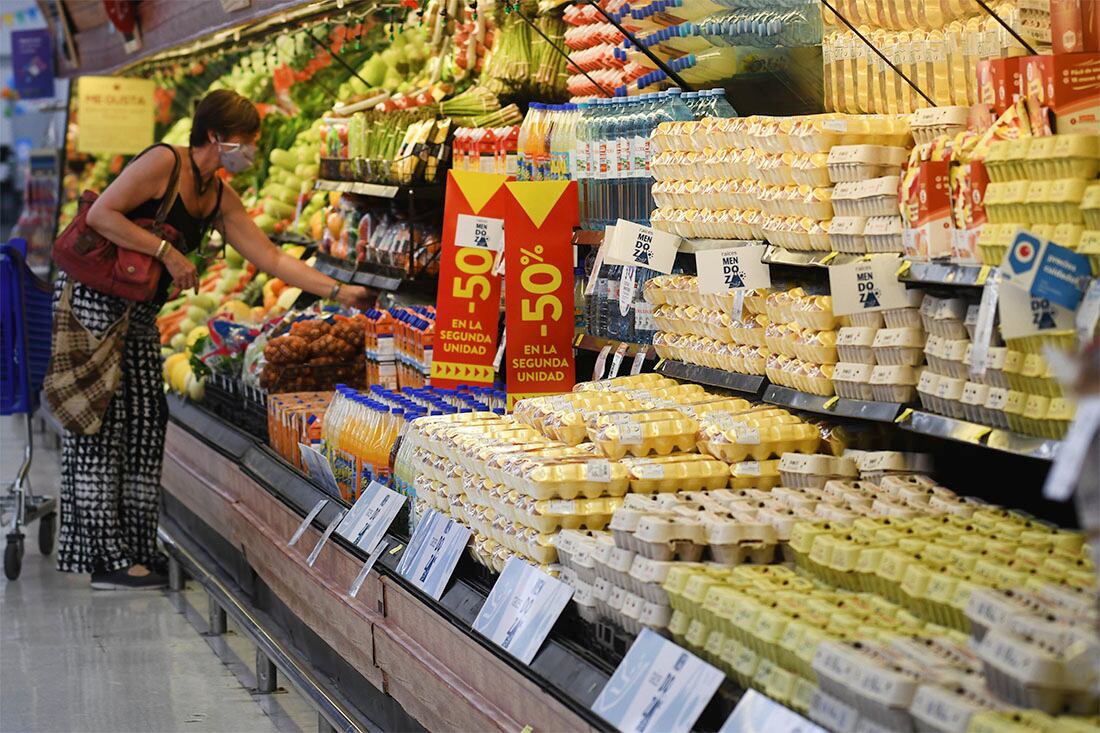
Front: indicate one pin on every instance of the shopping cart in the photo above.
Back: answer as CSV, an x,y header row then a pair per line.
x,y
26,311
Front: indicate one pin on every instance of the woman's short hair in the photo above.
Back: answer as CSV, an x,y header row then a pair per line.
x,y
225,113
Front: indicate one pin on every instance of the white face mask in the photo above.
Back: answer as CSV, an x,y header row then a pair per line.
x,y
236,157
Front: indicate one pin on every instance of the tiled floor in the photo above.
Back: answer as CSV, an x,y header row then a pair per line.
x,y
76,660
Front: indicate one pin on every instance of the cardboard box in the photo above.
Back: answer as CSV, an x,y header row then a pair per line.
x,y
927,202
1007,80
1072,91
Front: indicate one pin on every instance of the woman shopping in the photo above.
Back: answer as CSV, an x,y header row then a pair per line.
x,y
110,478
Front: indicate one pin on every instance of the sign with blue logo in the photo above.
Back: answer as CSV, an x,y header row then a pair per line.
x,y
658,688
366,522
521,609
1048,271
433,552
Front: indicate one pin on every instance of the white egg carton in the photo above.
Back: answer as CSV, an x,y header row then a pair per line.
x,y
846,234
930,123
872,197
899,346
945,317
867,319
974,397
894,383
884,234
947,356
851,380
851,163
854,345
862,676
813,470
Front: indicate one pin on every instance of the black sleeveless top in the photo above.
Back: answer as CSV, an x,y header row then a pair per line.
x,y
192,229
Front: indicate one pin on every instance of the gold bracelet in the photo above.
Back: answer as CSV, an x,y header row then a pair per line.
x,y
162,249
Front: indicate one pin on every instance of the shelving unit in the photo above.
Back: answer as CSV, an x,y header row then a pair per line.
x,y
884,412
376,190
748,384
779,256
962,431
596,344
944,273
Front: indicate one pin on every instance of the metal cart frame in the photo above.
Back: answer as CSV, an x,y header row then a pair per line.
x,y
26,312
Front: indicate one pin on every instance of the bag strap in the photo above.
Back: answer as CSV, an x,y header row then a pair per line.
x,y
172,191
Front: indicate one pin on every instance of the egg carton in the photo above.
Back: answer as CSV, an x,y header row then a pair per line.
x,y
884,235
854,345
678,472
814,470
1047,674
852,381
759,441
871,197
861,675
868,319
846,234
948,356
944,317
564,478
852,163
899,346
761,475
800,375
893,383
931,123
640,439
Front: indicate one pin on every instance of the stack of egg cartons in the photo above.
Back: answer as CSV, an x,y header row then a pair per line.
x,y
1045,185
801,337
865,198
881,353
770,178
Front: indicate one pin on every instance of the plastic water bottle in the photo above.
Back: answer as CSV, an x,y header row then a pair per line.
x,y
719,105
581,156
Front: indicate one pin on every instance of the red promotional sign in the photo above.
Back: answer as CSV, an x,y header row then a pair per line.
x,y
538,260
468,299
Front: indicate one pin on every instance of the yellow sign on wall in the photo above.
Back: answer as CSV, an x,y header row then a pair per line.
x,y
115,114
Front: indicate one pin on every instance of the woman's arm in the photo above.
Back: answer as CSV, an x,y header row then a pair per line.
x,y
145,178
239,230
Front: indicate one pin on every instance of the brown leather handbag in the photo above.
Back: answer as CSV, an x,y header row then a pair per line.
x,y
90,258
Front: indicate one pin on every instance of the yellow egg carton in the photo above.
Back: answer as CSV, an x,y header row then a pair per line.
x,y
800,375
676,472
579,474
1090,206
762,475
759,434
526,542
642,433
1005,160
817,347
802,470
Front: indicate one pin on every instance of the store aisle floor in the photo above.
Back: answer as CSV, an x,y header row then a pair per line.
x,y
76,660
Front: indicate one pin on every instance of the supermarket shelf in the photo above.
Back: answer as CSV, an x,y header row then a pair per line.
x,y
940,426
345,273
588,237
710,377
779,256
586,342
291,238
945,273
358,187
703,245
855,409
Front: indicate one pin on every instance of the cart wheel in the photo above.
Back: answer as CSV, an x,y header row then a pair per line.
x,y
47,528
13,557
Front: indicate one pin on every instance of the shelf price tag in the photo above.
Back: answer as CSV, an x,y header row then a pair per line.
x,y
757,712
538,255
521,609
617,360
634,244
867,285
468,298
433,552
732,268
368,519
657,687
324,538
319,469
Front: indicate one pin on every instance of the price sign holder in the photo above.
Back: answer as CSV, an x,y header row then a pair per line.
x,y
538,257
306,522
521,609
368,519
361,578
324,538
468,297
658,686
433,553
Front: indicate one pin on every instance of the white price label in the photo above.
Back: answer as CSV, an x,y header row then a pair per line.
x,y
658,686
617,361
482,232
601,363
357,584
867,285
630,433
306,522
643,317
746,434
649,471
433,552
369,518
634,244
521,609
639,361
732,268
598,469
324,538
628,285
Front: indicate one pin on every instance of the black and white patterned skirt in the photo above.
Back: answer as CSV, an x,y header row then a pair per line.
x,y
110,481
